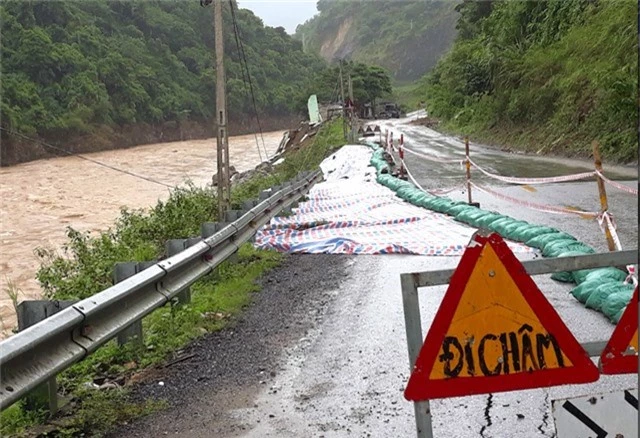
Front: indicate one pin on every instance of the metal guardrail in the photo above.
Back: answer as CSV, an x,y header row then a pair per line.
x,y
43,350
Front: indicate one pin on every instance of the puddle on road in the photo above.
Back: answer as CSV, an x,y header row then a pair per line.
x,y
40,199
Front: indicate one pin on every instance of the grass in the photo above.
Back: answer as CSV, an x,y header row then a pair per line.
x,y
13,292
84,268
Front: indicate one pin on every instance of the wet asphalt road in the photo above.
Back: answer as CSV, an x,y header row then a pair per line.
x,y
348,377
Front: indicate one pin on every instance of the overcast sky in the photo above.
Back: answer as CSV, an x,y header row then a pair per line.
x,y
285,13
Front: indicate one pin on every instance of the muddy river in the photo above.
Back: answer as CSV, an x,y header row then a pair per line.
x,y
40,199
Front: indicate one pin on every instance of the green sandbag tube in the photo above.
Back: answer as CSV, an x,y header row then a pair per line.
x,y
474,216
598,273
555,247
575,246
521,232
562,276
616,318
441,205
617,301
425,202
405,193
600,294
584,291
467,215
540,241
488,219
565,276
498,223
502,227
537,230
454,206
420,197
510,230
457,209
406,185
478,219
609,272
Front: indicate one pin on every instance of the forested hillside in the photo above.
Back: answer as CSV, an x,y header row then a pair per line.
x,y
93,74
550,76
405,37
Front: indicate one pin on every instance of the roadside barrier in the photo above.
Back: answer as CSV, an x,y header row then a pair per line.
x,y
37,354
607,290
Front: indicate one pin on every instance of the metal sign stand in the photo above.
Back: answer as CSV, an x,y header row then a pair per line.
x,y
410,283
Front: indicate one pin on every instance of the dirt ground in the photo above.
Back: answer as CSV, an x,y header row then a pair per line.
x,y
230,367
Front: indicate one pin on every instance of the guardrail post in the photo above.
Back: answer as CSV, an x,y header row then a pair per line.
x,y
208,229
29,313
231,215
248,205
265,194
192,241
604,204
173,247
133,332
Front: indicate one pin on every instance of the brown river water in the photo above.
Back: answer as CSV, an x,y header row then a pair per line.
x,y
40,199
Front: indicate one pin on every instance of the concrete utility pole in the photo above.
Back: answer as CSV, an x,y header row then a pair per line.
x,y
344,109
221,116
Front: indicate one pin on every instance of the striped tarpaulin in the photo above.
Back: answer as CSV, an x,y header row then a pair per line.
x,y
350,213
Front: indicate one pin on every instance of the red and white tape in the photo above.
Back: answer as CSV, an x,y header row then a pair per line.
x,y
553,179
534,206
606,220
617,185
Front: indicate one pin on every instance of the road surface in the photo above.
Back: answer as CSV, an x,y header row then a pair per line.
x,y
345,374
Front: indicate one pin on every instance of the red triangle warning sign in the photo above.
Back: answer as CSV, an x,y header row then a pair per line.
x,y
495,331
620,356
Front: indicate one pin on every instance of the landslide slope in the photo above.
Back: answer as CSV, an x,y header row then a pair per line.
x,y
405,37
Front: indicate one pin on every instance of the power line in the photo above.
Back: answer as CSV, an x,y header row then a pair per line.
x,y
236,29
91,160
244,79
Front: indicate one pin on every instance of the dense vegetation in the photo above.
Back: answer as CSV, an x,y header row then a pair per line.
x,y
85,266
404,37
71,67
369,83
550,76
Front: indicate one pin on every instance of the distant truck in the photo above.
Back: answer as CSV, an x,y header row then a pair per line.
x,y
389,110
